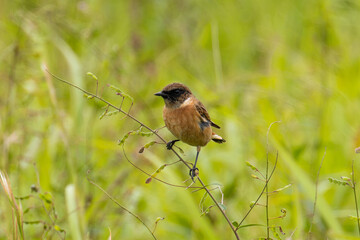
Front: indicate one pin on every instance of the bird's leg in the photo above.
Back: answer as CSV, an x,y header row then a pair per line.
x,y
170,144
194,171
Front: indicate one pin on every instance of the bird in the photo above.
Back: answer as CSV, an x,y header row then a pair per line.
x,y
187,119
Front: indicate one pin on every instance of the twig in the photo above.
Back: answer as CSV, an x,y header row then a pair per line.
x,y
162,181
267,181
316,194
261,193
218,206
268,177
155,133
156,223
122,207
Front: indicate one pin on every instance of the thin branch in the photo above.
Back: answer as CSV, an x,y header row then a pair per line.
x,y
316,195
221,210
143,171
156,223
267,193
267,181
122,207
261,193
355,198
154,132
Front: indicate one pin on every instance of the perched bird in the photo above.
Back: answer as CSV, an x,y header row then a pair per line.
x,y
187,119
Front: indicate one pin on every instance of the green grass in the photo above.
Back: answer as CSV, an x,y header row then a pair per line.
x,y
250,62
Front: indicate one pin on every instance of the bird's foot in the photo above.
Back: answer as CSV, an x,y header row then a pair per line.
x,y
194,172
170,144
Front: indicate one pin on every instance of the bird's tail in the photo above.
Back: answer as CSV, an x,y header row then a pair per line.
x,y
216,138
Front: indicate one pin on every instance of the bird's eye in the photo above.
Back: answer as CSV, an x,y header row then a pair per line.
x,y
177,91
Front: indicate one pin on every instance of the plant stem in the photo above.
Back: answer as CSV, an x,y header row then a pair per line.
x,y
218,206
354,189
261,193
267,197
267,179
122,207
316,193
267,182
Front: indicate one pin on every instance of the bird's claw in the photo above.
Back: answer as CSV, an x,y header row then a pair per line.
x,y
194,172
170,144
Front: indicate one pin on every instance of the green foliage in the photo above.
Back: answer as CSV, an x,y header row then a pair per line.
x,y
338,182
154,174
251,166
147,146
121,93
137,132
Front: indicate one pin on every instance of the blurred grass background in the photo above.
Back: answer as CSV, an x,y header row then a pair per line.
x,y
250,62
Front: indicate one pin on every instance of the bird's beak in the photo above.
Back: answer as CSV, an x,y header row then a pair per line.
x,y
161,94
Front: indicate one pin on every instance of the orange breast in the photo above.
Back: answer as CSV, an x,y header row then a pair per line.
x,y
184,123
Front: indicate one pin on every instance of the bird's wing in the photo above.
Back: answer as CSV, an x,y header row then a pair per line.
x,y
203,113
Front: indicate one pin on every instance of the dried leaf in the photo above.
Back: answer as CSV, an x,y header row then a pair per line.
x,y
141,149
281,231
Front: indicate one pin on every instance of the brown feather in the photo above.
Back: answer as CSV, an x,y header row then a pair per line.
x,y
203,113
